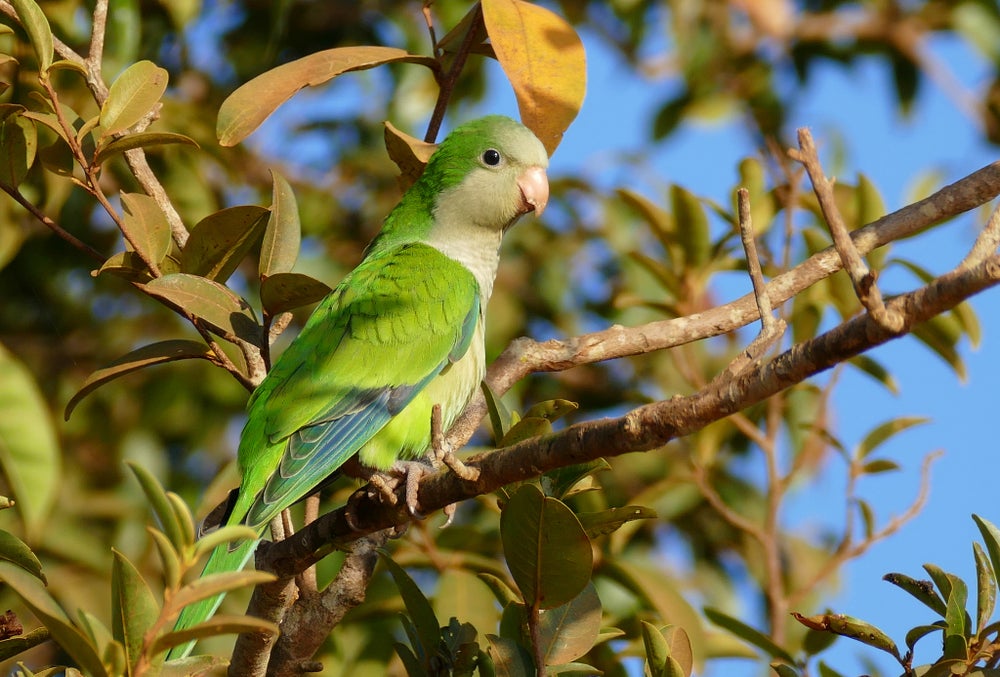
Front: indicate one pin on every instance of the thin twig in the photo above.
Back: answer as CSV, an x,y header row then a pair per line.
x,y
862,278
986,242
52,225
448,80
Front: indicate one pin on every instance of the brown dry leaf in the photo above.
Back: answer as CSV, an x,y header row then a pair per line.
x,y
545,62
253,102
409,153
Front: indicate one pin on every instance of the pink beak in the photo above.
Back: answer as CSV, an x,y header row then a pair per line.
x,y
534,185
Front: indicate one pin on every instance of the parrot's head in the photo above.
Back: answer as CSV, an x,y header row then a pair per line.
x,y
490,171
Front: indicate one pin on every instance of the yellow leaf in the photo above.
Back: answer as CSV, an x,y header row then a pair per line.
x,y
410,154
545,62
254,101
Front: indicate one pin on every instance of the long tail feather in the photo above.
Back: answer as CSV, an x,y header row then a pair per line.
x,y
221,560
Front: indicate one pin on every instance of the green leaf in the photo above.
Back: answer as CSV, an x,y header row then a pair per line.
x,y
869,203
51,615
146,356
12,646
879,465
940,333
219,624
692,231
134,608
16,551
283,234
569,631
922,590
38,30
503,593
421,613
146,226
282,292
954,617
220,241
127,265
885,431
991,539
223,311
499,413
202,666
525,429
559,483
111,147
547,550
169,557
509,658
848,626
253,102
875,369
461,594
132,95
748,634
914,635
230,533
18,147
608,521
784,670
161,505
29,449
668,650
986,588
217,584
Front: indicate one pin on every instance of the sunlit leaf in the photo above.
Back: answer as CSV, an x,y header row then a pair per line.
x,y
283,232
855,628
224,311
986,588
544,60
219,624
132,95
612,519
140,140
886,431
38,30
220,241
29,448
18,147
146,226
134,608
253,102
161,506
410,154
146,356
920,589
12,646
47,610
16,551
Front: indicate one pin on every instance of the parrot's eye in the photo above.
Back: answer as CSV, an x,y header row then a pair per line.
x,y
491,157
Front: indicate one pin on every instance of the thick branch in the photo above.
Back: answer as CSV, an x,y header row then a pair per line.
x,y
644,428
525,356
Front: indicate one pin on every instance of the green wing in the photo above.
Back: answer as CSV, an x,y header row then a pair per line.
x,y
375,342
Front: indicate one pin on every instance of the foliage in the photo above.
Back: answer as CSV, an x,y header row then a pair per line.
x,y
112,262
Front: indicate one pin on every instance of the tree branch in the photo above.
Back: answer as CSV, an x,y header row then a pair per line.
x,y
644,428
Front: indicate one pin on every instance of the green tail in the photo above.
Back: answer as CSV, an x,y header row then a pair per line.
x,y
221,560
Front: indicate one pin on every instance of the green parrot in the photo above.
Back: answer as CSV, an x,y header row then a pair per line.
x,y
402,332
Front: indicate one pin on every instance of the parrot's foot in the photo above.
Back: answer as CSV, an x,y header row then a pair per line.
x,y
385,485
442,452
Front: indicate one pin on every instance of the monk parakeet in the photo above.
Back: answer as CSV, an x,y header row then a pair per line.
x,y
402,332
